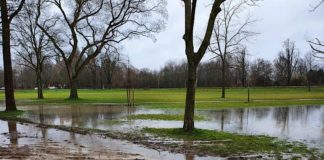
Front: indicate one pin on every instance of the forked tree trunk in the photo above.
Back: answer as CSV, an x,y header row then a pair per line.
x,y
39,85
73,90
188,124
8,79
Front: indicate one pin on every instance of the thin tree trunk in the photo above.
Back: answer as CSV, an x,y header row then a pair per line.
x,y
223,79
309,85
8,78
73,90
39,85
190,97
94,78
243,74
109,81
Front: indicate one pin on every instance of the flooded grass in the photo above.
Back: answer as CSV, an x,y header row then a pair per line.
x,y
164,117
199,142
112,122
223,104
4,114
229,144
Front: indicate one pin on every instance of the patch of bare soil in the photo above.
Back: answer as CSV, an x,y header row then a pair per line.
x,y
30,142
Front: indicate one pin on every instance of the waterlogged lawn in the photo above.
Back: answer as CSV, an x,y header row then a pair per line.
x,y
165,117
229,144
112,122
175,98
11,114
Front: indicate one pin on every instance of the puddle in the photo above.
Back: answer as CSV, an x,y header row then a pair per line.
x,y
25,141
298,123
22,141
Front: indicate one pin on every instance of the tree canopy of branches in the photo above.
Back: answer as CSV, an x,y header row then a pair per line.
x,y
317,45
318,48
287,61
32,45
229,33
310,66
109,62
75,28
9,10
241,63
261,73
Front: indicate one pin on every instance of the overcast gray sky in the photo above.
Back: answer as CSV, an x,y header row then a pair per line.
x,y
279,20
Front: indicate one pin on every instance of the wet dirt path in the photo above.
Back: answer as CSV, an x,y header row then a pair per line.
x,y
25,141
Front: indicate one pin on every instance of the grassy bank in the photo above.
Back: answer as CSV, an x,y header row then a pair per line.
x,y
174,98
224,144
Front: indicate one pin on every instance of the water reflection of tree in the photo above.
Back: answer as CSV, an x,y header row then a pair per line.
x,y
42,121
260,113
190,156
222,120
13,134
14,151
322,115
76,119
240,115
281,115
188,147
77,115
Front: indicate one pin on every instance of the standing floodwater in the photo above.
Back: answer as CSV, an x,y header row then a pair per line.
x,y
298,123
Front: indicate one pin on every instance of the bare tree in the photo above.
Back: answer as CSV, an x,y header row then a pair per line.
x,y
261,73
314,7
93,68
317,45
33,47
229,33
309,60
8,12
194,57
77,28
242,65
318,48
109,61
287,61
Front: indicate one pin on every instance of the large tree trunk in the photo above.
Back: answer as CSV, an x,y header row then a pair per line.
x,y
223,78
8,78
190,97
39,85
73,90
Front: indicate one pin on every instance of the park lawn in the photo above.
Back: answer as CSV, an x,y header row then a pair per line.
x,y
230,144
174,98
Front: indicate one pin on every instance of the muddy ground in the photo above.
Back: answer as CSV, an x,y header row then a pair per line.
x,y
25,141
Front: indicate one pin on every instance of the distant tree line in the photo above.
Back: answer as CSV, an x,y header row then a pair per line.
x,y
109,70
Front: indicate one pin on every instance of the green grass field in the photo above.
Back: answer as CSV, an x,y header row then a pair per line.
x,y
231,144
174,98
